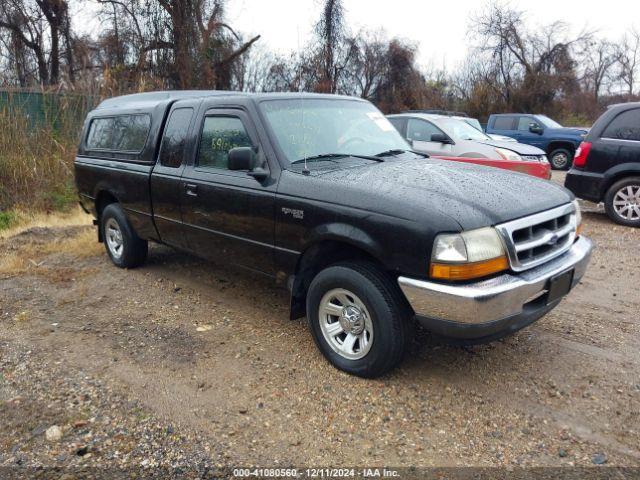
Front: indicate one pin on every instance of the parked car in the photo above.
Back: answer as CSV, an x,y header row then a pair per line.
x,y
474,122
446,136
533,168
606,167
321,193
560,143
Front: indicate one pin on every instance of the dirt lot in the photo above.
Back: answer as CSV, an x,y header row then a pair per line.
x,y
187,363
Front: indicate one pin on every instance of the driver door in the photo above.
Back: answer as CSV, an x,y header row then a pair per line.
x,y
228,215
525,135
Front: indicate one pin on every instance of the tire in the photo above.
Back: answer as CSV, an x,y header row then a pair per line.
x,y
561,159
123,246
385,318
625,211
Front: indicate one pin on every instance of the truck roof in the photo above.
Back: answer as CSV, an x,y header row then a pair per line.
x,y
151,99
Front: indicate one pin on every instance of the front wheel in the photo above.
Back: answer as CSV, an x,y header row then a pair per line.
x,y
124,247
560,159
359,319
622,202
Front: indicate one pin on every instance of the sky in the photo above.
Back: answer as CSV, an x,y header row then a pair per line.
x,y
439,28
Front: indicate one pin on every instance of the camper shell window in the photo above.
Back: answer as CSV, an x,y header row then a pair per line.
x,y
119,133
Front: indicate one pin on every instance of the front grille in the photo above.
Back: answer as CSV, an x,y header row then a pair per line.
x,y
538,238
532,158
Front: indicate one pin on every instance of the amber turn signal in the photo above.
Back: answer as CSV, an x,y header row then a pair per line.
x,y
468,271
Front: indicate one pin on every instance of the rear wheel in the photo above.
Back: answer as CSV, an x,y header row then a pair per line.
x,y
622,202
359,318
560,159
123,246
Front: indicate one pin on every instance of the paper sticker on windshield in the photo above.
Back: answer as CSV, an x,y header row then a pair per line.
x,y
382,123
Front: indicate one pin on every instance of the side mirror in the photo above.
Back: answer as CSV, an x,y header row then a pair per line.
x,y
535,128
242,158
440,138
245,158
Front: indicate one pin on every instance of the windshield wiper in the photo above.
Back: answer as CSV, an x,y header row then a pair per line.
x,y
336,155
393,151
399,151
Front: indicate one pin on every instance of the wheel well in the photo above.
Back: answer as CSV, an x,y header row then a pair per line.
x,y
555,145
616,178
103,199
313,260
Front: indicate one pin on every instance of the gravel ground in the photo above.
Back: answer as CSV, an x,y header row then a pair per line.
x,y
195,365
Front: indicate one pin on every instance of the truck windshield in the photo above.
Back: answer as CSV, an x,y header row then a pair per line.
x,y
319,129
547,122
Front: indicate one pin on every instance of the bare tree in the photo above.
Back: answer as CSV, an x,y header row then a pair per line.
x,y
251,72
335,51
534,67
25,24
628,59
38,26
369,63
187,39
599,58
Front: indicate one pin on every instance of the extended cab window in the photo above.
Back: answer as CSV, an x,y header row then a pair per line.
x,y
122,133
175,137
219,135
503,123
625,126
421,130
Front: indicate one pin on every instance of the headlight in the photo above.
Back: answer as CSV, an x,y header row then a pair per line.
x,y
578,216
544,159
467,255
508,154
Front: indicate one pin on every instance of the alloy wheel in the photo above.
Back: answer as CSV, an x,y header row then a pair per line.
x,y
626,202
346,324
560,160
113,236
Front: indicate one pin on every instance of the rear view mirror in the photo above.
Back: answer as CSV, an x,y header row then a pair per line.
x,y
242,158
440,138
535,128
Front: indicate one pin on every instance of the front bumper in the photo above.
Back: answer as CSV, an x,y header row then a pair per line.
x,y
490,308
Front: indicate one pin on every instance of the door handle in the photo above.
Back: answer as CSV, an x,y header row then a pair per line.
x,y
191,189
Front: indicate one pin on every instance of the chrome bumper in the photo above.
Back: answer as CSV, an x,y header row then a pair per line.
x,y
494,299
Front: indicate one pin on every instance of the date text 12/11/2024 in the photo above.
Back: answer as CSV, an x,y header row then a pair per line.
x,y
315,473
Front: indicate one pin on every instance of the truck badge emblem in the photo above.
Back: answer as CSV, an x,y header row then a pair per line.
x,y
297,214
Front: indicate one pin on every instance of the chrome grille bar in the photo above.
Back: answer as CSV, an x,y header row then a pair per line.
x,y
536,239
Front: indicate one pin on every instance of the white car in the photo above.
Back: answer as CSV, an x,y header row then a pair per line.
x,y
447,136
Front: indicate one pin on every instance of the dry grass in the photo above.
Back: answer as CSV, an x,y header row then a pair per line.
x,y
26,220
37,149
65,233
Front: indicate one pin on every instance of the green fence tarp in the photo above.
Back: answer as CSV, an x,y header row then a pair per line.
x,y
48,109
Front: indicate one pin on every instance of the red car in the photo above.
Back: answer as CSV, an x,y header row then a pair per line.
x,y
535,168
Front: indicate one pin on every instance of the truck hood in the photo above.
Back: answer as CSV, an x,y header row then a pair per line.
x,y
473,196
519,148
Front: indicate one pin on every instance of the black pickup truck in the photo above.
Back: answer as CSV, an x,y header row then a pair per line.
x,y
321,193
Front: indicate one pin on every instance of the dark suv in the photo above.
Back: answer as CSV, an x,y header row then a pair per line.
x,y
606,167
